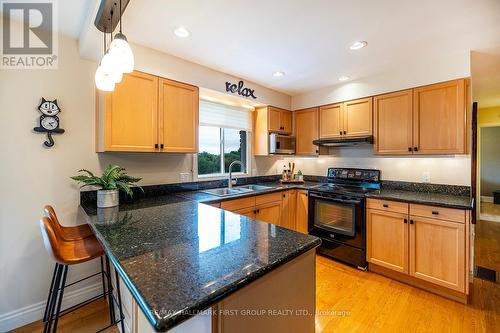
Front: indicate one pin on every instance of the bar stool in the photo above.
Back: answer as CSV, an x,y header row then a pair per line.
x,y
70,246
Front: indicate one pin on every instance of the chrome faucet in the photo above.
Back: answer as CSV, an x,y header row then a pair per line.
x,y
232,182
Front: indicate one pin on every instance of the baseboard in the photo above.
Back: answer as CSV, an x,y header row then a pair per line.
x,y
486,199
34,312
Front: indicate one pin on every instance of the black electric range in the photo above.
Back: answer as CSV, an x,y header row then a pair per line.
x,y
337,213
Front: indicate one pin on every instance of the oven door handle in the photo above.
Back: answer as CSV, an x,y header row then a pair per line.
x,y
335,199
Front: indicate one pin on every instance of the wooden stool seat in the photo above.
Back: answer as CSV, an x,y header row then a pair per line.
x,y
67,233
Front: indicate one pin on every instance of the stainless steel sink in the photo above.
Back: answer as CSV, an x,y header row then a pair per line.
x,y
254,187
222,192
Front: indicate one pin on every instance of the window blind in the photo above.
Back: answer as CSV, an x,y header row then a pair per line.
x,y
227,116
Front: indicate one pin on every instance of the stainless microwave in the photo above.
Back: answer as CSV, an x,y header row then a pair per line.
x,y
281,144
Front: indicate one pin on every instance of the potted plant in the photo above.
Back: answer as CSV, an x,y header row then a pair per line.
x,y
113,179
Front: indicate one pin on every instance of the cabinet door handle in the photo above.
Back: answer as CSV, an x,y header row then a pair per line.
x,y
405,221
340,132
410,149
255,211
161,146
411,221
156,146
415,148
283,195
435,212
345,132
385,205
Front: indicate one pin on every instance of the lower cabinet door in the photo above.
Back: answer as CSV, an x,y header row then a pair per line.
x,y
387,240
437,252
301,214
249,212
269,212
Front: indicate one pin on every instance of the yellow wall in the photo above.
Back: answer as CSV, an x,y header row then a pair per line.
x,y
488,116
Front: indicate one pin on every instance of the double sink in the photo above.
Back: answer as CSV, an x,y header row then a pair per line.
x,y
226,191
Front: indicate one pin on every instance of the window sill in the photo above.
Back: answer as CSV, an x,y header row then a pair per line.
x,y
222,177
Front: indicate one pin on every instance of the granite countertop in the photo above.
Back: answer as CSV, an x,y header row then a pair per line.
x,y
178,256
425,198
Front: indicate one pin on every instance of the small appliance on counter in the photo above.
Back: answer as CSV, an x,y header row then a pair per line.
x,y
337,213
281,144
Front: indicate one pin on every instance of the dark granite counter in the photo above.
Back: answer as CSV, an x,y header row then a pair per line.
x,y
178,256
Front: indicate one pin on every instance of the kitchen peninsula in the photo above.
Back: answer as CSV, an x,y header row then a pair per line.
x,y
185,266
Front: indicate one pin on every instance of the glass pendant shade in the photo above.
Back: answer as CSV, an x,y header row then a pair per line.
x,y
122,53
103,80
111,67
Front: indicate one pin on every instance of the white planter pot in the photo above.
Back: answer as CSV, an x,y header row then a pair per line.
x,y
107,198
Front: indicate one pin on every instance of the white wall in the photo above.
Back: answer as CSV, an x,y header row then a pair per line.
x,y
434,68
453,170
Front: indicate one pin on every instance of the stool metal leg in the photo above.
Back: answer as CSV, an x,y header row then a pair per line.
x,y
119,300
60,296
110,295
53,298
49,297
103,279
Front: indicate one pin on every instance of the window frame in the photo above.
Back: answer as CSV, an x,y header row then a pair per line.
x,y
224,175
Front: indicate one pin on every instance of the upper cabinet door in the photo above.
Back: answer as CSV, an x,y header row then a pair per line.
x,y
131,114
274,119
179,109
439,118
286,122
331,121
393,122
306,131
358,117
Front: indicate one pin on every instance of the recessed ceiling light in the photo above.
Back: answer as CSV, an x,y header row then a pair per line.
x,y
344,78
358,45
181,32
278,74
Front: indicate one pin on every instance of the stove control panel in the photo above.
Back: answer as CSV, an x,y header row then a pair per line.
x,y
370,175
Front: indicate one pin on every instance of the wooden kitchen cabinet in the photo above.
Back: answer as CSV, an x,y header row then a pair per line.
x,y
387,239
248,212
146,113
439,118
423,245
270,212
393,118
280,120
358,117
178,115
301,213
306,131
331,121
437,252
269,119
289,207
127,118
348,119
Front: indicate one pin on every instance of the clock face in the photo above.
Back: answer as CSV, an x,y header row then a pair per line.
x,y
49,123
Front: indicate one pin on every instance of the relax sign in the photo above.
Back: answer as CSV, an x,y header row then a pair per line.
x,y
238,88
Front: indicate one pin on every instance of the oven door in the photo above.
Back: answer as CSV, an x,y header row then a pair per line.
x,y
335,215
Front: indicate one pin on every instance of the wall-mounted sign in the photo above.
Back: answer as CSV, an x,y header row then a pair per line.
x,y
49,122
238,88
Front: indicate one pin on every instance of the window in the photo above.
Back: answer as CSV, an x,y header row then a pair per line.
x,y
223,137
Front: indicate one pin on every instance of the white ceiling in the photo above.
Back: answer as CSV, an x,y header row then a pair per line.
x,y
308,40
485,74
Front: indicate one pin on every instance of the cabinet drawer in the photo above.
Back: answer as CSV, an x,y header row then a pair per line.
x,y
388,205
265,198
448,214
233,205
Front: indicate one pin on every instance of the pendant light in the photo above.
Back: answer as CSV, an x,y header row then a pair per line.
x,y
120,50
103,78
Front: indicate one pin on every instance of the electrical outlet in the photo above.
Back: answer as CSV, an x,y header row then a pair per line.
x,y
426,177
185,177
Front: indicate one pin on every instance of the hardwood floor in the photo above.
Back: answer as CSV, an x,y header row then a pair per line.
x,y
490,211
350,300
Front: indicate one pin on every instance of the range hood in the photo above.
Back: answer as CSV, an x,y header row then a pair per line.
x,y
340,142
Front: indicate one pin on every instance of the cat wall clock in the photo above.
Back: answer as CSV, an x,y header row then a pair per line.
x,y
49,122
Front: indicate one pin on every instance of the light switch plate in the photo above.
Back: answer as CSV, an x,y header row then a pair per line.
x,y
185,177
